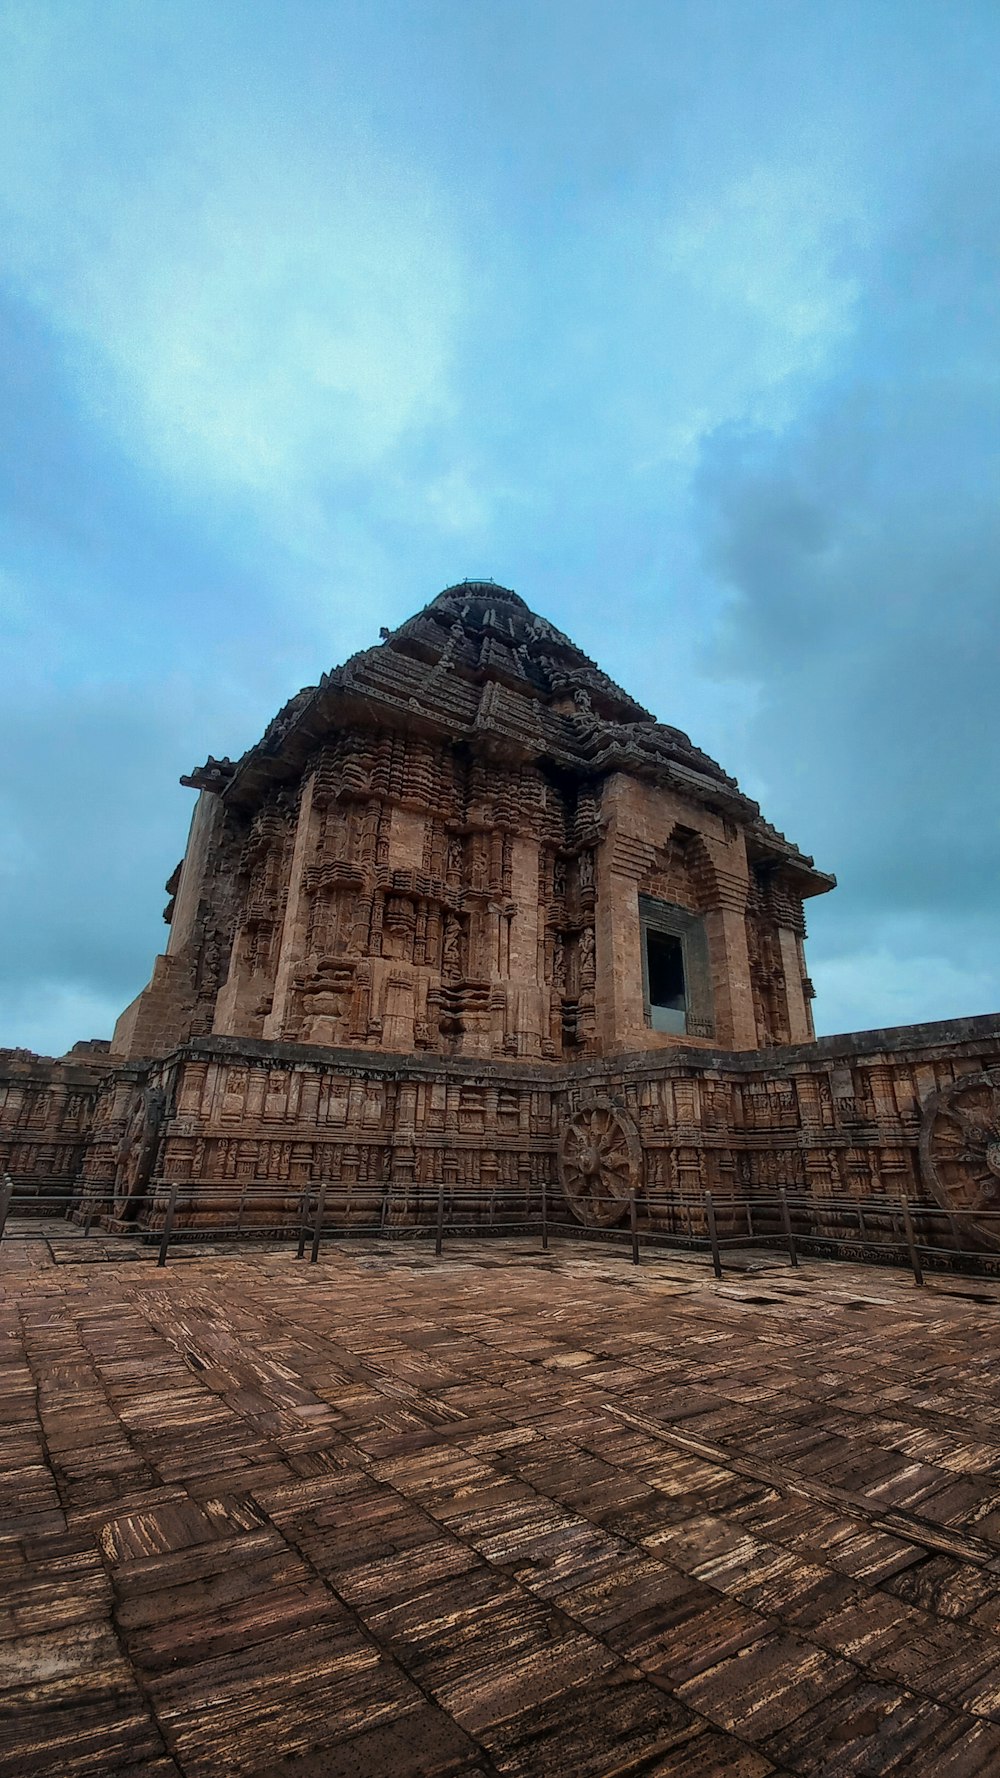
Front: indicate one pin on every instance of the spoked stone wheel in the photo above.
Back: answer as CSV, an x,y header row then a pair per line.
x,y
600,1163
960,1151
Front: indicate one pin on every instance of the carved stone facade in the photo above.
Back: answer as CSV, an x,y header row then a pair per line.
x,y
468,917
441,849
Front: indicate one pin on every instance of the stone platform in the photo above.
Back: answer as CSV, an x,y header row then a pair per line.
x,y
493,1513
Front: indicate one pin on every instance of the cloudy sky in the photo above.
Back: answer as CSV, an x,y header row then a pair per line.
x,y
678,316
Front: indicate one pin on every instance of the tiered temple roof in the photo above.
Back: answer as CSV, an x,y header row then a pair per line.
x,y
478,664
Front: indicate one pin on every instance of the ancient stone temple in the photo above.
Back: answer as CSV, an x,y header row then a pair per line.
x,y
469,842
467,916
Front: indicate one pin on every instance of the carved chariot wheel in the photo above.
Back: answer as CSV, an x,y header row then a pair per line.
x,y
960,1151
600,1163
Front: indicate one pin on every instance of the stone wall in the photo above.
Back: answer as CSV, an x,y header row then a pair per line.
x,y
865,1116
47,1110
244,1126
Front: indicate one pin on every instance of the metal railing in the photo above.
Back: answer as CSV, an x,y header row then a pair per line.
x,y
176,1213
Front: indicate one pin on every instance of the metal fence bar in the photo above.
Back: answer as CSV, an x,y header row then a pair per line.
x,y
633,1218
713,1235
168,1226
303,1218
318,1229
789,1235
918,1270
872,1230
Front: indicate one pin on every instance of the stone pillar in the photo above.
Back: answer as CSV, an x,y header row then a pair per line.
x,y
407,831
735,1025
296,921
799,1021
725,925
523,960
160,1017
618,999
520,952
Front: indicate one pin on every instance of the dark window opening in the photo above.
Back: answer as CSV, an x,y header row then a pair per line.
x,y
665,976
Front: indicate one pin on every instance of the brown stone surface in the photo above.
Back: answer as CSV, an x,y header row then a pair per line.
x,y
493,1514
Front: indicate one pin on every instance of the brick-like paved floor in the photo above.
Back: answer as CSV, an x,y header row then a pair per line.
x,y
494,1514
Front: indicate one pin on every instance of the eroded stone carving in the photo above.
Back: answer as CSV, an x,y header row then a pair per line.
x,y
138,1150
960,1151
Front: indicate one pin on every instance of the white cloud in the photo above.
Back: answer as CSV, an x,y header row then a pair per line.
x,y
277,305
746,299
771,243
293,319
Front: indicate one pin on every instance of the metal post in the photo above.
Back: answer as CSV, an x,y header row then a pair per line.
x,y
168,1226
303,1214
918,1270
318,1227
634,1226
6,1193
713,1234
439,1242
787,1220
91,1213
545,1216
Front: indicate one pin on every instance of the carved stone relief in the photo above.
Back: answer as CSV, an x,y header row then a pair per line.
x,y
960,1151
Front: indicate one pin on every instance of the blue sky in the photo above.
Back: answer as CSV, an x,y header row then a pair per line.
x,y
681,319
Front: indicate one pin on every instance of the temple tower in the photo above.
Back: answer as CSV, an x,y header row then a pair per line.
x,y
468,841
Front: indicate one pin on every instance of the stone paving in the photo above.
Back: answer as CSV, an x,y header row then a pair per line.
x,y
494,1513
